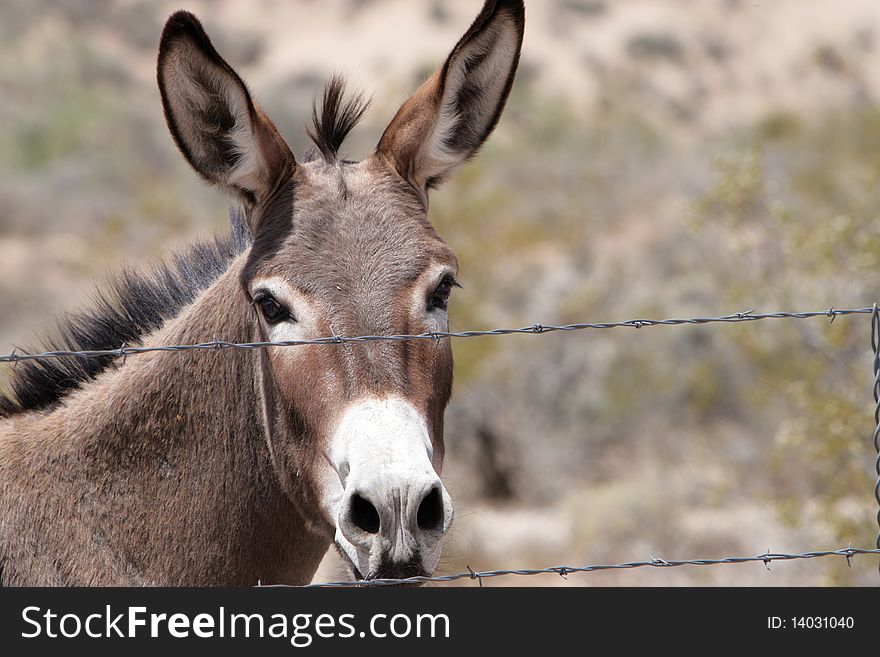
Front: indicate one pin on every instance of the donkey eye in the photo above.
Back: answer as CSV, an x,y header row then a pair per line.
x,y
273,311
439,298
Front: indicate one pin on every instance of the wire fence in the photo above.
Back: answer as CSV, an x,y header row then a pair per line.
x,y
541,329
564,571
535,329
875,347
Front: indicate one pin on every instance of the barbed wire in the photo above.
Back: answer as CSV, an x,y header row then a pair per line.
x,y
875,347
766,558
535,329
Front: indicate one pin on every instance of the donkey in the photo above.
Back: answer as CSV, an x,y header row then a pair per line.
x,y
237,467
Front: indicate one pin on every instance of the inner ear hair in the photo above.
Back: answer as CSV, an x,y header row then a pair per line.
x,y
224,136
451,115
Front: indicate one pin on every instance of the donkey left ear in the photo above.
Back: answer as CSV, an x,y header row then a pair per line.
x,y
218,128
455,110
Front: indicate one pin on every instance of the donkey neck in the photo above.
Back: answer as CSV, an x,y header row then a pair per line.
x,y
171,447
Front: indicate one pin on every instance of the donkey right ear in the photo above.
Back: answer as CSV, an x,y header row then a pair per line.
x,y
452,114
222,134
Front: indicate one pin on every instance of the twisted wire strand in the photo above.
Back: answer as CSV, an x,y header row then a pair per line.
x,y
875,347
563,571
535,329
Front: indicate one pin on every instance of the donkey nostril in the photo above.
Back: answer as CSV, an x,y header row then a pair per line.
x,y
364,514
430,515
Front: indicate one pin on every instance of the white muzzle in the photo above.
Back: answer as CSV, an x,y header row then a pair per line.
x,y
384,496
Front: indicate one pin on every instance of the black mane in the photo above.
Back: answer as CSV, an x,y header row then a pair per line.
x,y
337,116
132,306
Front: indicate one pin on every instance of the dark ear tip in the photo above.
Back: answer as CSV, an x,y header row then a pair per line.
x,y
183,24
517,7
514,9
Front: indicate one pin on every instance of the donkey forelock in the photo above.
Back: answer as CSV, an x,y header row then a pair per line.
x,y
338,116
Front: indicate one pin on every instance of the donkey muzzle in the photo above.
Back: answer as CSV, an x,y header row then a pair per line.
x,y
393,510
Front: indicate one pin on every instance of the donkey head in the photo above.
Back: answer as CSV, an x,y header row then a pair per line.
x,y
345,248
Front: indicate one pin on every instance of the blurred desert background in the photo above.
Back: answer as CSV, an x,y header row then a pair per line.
x,y
658,158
